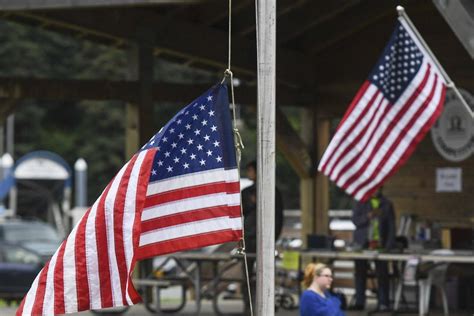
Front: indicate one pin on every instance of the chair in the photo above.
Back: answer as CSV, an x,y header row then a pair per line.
x,y
434,274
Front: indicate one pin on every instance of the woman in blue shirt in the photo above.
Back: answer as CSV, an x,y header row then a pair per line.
x,y
316,300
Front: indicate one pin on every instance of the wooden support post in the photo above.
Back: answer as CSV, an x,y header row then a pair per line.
x,y
322,182
139,114
145,37
131,109
131,130
307,198
314,190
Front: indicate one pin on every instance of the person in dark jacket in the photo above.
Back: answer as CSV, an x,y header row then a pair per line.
x,y
249,207
375,229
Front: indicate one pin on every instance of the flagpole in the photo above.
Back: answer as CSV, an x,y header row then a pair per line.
x,y
449,83
266,113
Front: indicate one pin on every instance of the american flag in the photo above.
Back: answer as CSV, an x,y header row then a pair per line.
x,y
180,191
389,116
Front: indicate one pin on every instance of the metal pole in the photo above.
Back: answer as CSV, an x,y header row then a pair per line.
x,y
10,146
80,186
266,113
11,135
449,83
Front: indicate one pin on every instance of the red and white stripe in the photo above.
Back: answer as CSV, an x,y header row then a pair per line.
x,y
375,137
92,267
203,211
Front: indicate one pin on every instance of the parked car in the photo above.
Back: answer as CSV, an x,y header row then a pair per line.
x,y
18,269
35,235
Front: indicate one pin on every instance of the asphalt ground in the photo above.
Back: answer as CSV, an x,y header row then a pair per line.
x,y
229,307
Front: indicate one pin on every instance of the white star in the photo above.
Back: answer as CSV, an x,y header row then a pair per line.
x,y
219,158
209,98
165,139
211,113
160,163
153,172
174,145
214,128
202,107
199,147
171,130
176,159
181,135
193,156
186,165
183,150
190,141
209,153
216,144
169,168
204,122
195,117
197,131
158,148
202,162
206,137
178,122
186,113
167,154
188,126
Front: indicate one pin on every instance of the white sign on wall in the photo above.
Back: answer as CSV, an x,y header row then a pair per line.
x,y
448,180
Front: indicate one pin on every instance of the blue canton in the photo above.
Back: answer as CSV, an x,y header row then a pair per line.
x,y
397,66
196,139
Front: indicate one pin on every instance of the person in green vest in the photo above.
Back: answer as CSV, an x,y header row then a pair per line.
x,y
375,229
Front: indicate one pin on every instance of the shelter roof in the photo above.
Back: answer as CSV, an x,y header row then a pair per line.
x,y
325,49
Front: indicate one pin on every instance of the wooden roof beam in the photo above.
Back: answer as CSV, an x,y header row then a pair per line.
x,y
292,146
308,16
348,23
212,12
244,23
68,4
55,89
184,39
